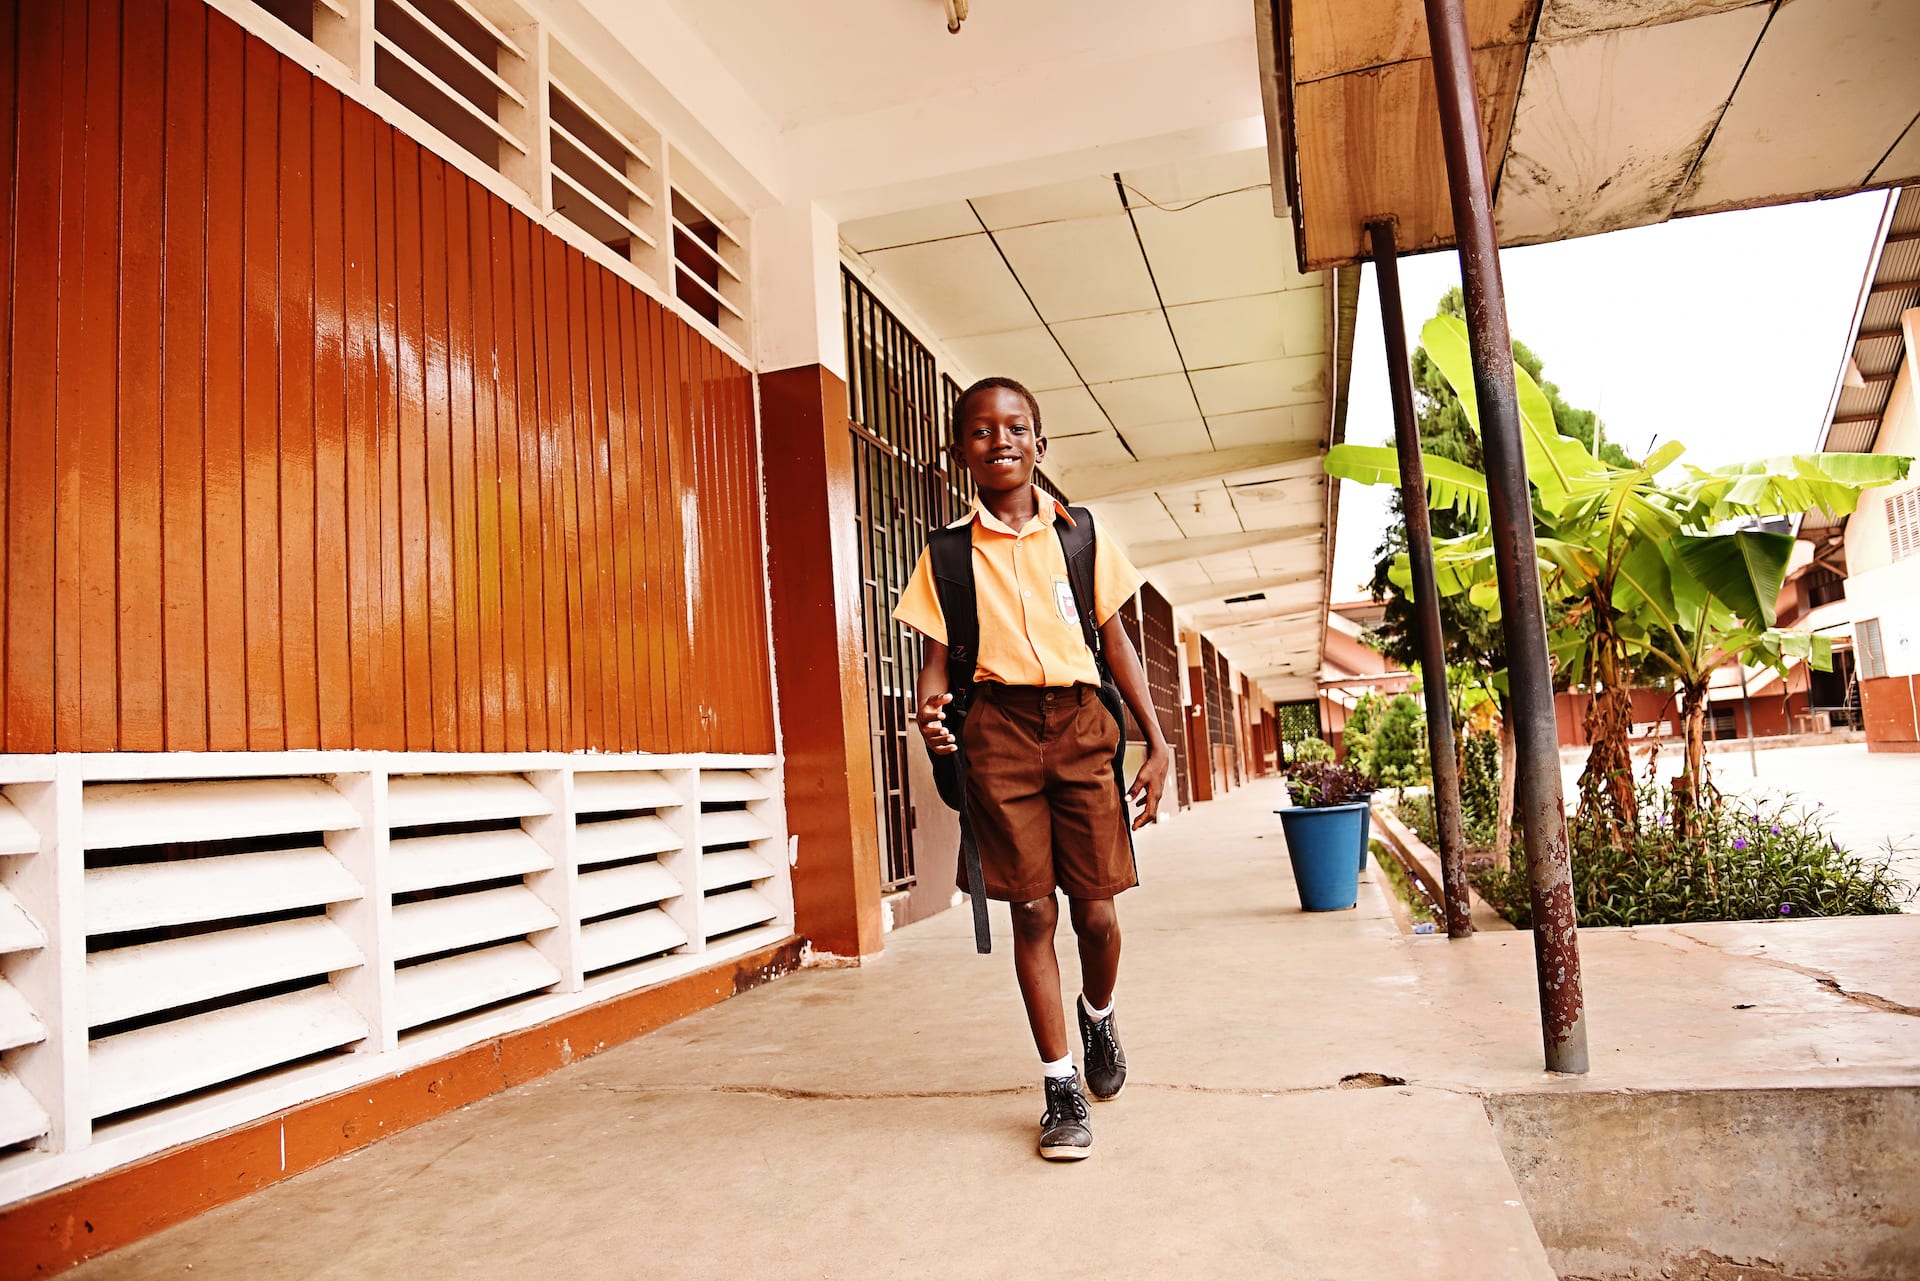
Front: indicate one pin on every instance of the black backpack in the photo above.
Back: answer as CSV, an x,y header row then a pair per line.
x,y
951,552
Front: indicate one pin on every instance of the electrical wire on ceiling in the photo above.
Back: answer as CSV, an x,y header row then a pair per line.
x,y
1257,186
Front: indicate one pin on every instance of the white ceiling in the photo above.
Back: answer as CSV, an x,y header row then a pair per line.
x,y
1159,318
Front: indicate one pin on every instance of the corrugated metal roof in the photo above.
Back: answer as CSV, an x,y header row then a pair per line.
x,y
1853,423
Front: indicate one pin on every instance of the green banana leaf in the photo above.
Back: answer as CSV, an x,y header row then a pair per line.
x,y
1450,485
1743,569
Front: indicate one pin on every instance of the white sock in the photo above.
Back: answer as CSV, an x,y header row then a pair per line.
x,y
1095,1015
1058,1070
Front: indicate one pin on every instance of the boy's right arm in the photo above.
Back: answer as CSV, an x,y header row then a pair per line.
x,y
931,697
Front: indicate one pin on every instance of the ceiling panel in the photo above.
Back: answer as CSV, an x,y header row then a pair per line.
x,y
1291,380
1562,19
1166,440
912,226
1140,519
1608,127
1188,180
1078,198
1202,511
1224,248
1279,504
1902,164
1281,558
1257,426
1030,356
1064,453
1229,331
1829,91
1070,411
958,286
1087,267
1142,402
1105,348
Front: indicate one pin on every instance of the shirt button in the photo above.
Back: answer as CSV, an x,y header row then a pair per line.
x,y
1026,593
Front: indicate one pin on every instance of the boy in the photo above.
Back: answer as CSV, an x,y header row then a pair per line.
x,y
1040,744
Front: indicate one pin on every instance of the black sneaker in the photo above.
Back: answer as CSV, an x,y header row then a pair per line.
x,y
1106,1061
1066,1133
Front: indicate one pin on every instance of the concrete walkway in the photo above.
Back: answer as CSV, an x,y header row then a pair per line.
x,y
879,1122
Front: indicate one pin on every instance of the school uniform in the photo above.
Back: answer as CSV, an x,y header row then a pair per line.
x,y
1039,743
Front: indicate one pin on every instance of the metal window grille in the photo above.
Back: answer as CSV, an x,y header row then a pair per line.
x,y
1298,721
903,490
1868,654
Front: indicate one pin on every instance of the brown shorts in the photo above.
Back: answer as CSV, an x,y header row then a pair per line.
x,y
1041,794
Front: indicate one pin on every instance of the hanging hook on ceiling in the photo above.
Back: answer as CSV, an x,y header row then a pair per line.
x,y
956,14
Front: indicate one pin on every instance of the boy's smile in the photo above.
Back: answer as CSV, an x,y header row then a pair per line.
x,y
998,441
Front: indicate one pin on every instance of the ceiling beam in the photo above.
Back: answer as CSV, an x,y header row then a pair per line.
x,y
1176,551
1122,480
1205,593
1238,621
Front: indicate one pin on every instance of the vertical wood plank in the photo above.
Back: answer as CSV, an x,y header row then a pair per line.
x,y
588,526
184,299
507,426
486,467
410,445
360,339
332,565
9,123
762,630
541,663
460,408
686,539
438,446
228,713
560,413
673,546
629,480
142,73
260,401
32,389
562,596
599,406
619,426
391,292
299,669
87,392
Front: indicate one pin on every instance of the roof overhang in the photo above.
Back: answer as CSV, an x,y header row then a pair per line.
x,y
1596,115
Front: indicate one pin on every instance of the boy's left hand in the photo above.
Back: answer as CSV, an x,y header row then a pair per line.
x,y
1150,781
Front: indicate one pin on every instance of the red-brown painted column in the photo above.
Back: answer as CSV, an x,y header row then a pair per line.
x,y
813,567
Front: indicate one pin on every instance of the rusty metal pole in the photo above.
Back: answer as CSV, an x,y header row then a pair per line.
x,y
1426,592
1556,944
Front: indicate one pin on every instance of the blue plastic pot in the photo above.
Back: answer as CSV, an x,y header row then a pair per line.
x,y
1320,845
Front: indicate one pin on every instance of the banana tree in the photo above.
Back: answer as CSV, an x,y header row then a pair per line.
x,y
1596,527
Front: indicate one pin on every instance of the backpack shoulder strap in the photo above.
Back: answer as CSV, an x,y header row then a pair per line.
x,y
1077,541
951,551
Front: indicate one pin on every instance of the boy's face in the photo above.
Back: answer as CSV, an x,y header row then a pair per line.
x,y
998,441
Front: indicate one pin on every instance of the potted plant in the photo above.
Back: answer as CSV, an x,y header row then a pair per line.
x,y
1330,816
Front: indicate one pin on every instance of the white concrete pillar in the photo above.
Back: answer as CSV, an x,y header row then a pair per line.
x,y
796,278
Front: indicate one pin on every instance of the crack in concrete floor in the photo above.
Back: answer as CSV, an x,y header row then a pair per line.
x,y
1871,1000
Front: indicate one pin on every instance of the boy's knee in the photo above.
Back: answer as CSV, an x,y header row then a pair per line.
x,y
1036,918
1095,921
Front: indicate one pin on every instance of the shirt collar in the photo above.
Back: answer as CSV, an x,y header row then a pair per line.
x,y
1050,509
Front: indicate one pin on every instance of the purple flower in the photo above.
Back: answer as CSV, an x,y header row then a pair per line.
x,y
1740,842
1776,829
1786,909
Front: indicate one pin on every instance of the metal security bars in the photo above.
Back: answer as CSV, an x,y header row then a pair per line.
x,y
897,403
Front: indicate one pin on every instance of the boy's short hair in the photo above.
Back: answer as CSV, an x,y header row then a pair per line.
x,y
960,405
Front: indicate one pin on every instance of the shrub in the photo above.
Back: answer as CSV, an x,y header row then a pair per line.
x,y
1311,749
1357,737
1746,859
1400,745
1320,783
1480,788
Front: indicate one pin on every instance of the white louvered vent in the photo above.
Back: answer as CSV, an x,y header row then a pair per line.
x,y
327,23
211,942
458,65
22,1118
630,837
605,172
1903,523
738,847
709,250
464,912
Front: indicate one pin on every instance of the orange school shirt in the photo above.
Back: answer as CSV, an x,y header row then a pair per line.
x,y
1029,630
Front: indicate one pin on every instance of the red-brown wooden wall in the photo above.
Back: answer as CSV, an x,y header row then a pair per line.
x,y
312,442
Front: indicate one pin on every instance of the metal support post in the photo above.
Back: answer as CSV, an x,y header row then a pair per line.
x,y
1426,592
1556,945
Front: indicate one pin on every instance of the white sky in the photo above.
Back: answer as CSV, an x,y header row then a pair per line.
x,y
1725,332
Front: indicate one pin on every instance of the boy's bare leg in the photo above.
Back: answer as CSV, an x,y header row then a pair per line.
x,y
1038,970
1097,927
